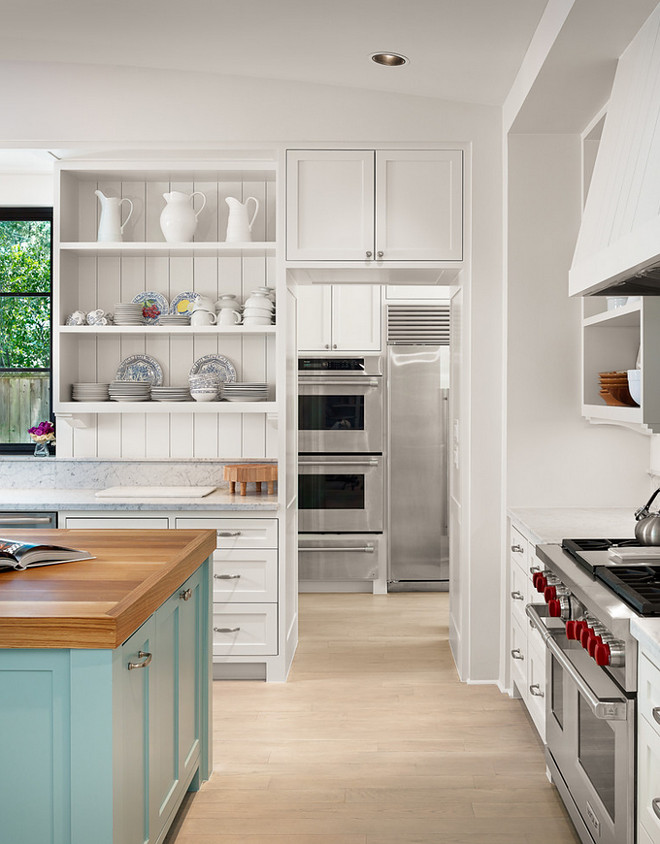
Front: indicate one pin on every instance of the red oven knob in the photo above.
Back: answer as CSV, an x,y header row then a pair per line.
x,y
554,608
602,654
535,578
550,593
585,634
593,643
541,583
571,629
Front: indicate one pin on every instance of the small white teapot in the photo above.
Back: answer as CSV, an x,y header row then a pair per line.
x,y
178,220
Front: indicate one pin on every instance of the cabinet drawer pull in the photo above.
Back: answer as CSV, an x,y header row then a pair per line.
x,y
517,654
517,596
226,629
517,549
535,689
655,803
185,594
226,576
25,520
229,533
147,657
534,569
656,713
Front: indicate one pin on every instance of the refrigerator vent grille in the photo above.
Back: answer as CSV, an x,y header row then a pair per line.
x,y
418,324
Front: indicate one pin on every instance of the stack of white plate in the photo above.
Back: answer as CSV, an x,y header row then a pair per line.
x,y
130,391
170,393
128,313
245,391
89,392
174,319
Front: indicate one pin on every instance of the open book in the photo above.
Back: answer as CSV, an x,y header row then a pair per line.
x,y
18,555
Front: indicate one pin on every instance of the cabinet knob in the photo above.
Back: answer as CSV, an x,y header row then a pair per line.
x,y
185,594
147,657
369,254
327,345
226,629
517,596
516,653
334,345
380,254
517,549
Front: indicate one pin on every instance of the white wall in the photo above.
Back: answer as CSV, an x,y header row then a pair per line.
x,y
555,458
26,189
60,106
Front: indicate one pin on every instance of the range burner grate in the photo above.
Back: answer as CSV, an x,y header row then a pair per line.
x,y
638,586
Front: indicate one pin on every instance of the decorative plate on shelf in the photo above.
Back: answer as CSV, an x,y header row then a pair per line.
x,y
140,368
217,365
153,305
183,303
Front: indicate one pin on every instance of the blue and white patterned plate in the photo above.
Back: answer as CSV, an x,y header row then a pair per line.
x,y
153,305
140,368
217,364
183,303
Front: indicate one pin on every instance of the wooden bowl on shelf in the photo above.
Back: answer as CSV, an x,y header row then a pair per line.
x,y
617,396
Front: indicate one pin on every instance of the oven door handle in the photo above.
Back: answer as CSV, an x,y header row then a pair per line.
x,y
358,382
614,709
365,549
340,465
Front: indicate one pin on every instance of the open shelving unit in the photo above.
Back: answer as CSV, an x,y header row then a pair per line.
x,y
90,275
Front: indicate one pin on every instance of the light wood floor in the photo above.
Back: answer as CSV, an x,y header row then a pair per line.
x,y
373,740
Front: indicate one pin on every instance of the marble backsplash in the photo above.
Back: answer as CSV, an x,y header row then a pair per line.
x,y
63,473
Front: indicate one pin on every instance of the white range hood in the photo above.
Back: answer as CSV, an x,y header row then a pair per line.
x,y
618,246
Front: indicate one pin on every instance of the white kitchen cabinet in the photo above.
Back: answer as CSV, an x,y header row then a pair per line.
x,y
526,648
613,340
114,522
648,751
339,317
374,206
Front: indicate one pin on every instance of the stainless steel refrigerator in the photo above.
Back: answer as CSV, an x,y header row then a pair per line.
x,y
418,542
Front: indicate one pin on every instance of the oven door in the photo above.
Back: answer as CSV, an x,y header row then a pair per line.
x,y
343,558
590,735
340,415
340,494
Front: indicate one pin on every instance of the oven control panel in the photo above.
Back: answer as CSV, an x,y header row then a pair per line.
x,y
581,627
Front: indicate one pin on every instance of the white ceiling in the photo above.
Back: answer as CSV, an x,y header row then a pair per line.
x,y
461,50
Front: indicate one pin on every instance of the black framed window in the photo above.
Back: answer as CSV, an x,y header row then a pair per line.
x,y
25,324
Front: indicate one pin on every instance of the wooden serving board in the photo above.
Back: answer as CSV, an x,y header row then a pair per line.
x,y
246,473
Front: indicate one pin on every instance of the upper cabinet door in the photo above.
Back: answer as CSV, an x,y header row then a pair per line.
x,y
330,205
419,205
356,314
314,317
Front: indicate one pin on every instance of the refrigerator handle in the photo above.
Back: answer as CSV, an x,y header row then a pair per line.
x,y
445,417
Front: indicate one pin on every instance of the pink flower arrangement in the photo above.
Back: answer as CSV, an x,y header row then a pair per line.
x,y
43,432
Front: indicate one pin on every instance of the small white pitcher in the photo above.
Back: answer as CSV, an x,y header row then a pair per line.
x,y
239,227
111,228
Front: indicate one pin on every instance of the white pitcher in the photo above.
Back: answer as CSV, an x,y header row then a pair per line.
x,y
110,225
239,227
178,219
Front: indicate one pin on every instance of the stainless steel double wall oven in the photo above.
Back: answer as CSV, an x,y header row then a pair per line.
x,y
341,482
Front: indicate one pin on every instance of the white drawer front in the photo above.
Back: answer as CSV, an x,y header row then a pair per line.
x,y
238,533
518,655
648,774
244,575
119,523
536,682
519,548
649,692
643,837
245,630
519,593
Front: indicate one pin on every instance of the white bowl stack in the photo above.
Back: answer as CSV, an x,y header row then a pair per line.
x,y
205,386
89,392
128,313
245,391
259,307
130,391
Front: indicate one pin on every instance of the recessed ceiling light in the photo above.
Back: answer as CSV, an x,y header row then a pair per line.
x,y
389,59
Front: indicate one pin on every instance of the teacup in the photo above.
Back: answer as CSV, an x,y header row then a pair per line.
x,y
202,317
203,303
259,300
227,316
76,318
254,311
227,300
254,320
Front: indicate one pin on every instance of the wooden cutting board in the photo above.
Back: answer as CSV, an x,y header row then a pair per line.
x,y
155,492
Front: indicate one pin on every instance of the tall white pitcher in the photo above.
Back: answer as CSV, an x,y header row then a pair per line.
x,y
110,225
239,226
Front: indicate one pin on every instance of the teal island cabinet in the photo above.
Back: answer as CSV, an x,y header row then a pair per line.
x,y
105,672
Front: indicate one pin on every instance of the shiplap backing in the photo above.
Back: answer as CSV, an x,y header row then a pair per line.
x,y
100,282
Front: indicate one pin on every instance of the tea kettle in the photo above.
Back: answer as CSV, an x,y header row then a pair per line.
x,y
647,529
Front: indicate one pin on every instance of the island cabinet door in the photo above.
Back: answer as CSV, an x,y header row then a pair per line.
x,y
131,816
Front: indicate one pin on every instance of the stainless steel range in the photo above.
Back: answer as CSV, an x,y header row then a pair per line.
x,y
588,592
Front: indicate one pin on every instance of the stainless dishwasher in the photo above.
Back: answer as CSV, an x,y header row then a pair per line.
x,y
29,521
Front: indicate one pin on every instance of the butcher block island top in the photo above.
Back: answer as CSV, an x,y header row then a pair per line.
x,y
96,603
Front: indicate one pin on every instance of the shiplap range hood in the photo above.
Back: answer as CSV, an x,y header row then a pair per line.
x,y
618,246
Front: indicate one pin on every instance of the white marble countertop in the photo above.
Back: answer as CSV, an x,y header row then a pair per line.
x,y
85,499
552,524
